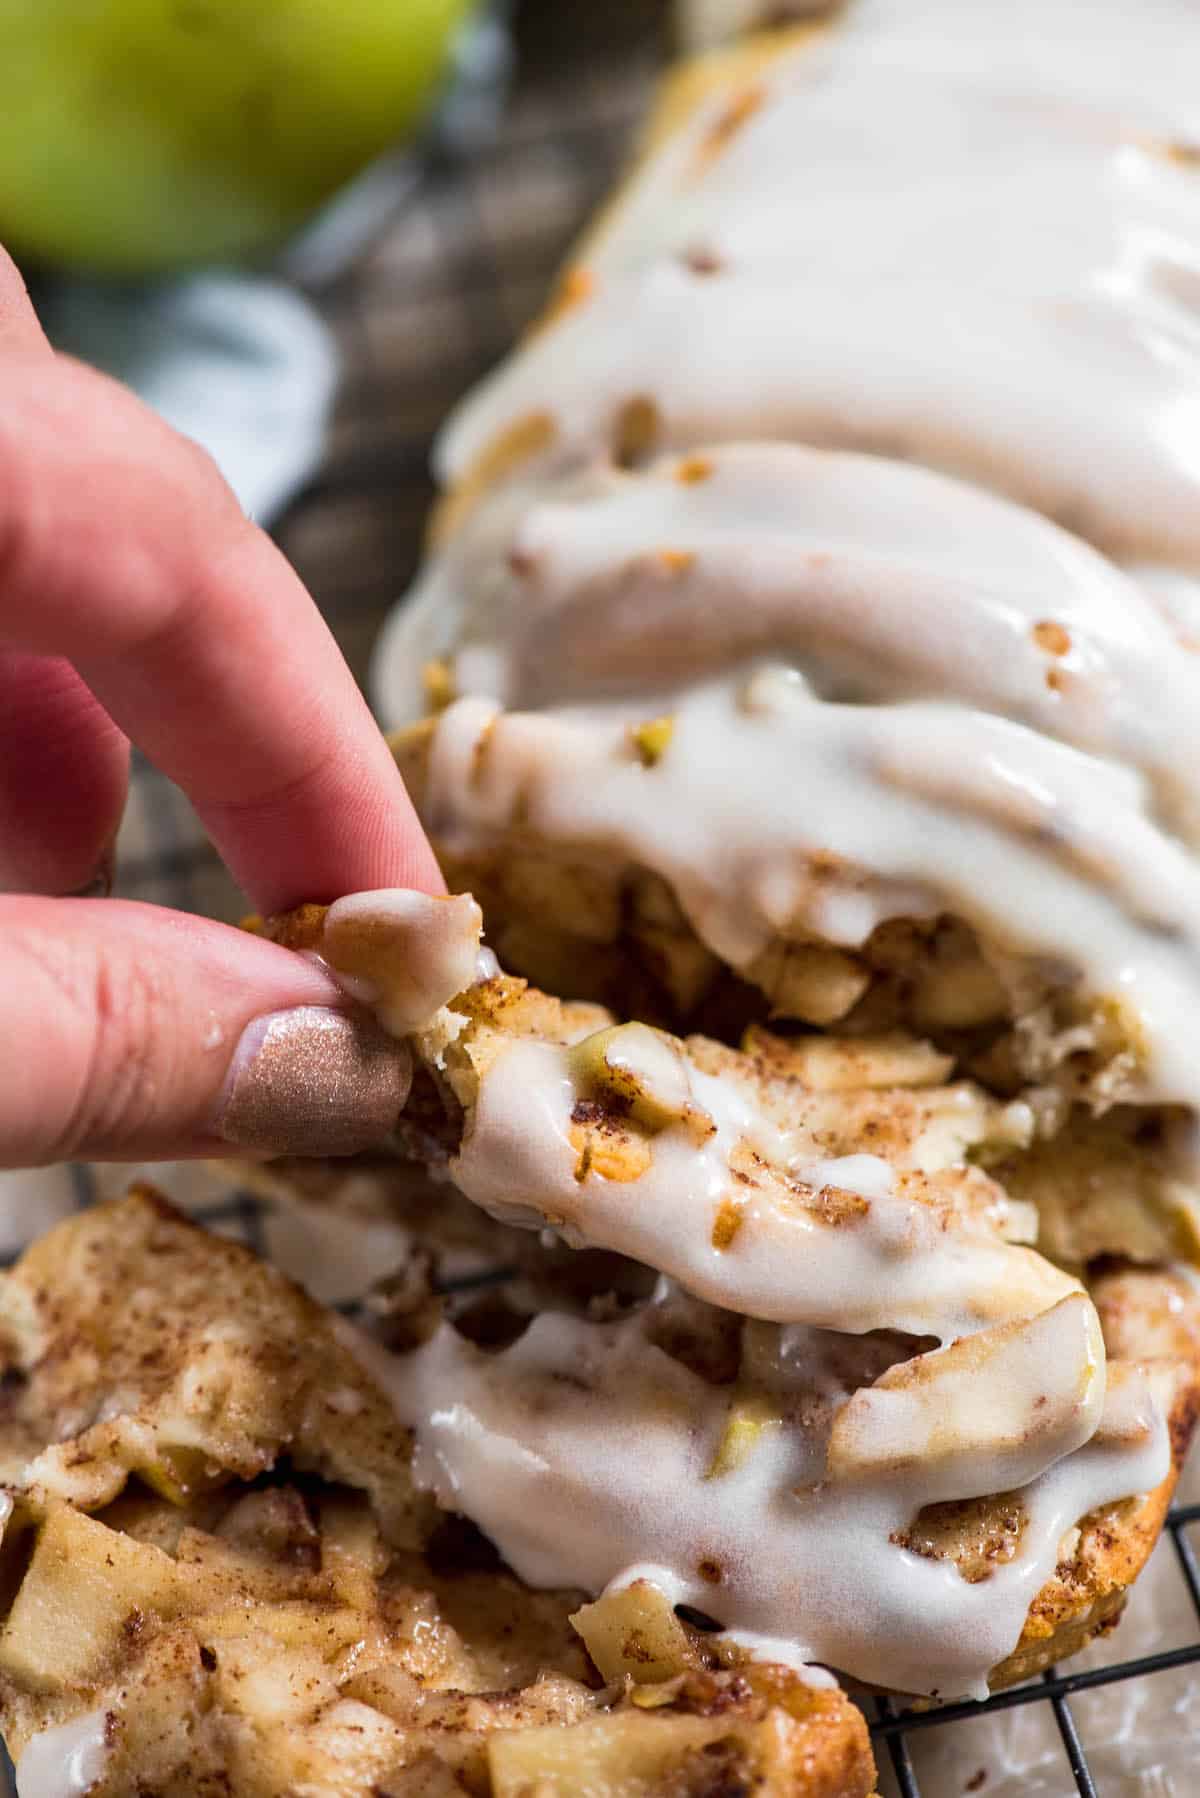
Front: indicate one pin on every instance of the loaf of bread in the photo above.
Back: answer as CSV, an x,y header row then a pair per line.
x,y
806,657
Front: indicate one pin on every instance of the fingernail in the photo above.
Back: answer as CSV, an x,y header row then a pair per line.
x,y
312,1081
100,886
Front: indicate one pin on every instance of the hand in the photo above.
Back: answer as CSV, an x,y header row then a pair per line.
x,y
136,598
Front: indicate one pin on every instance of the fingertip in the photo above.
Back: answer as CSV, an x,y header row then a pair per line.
x,y
121,1021
349,826
313,1081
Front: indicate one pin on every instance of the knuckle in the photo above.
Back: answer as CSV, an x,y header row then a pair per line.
x,y
114,1010
131,1042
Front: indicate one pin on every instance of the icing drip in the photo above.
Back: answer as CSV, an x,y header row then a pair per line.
x,y
880,581
1015,302
588,1456
729,1211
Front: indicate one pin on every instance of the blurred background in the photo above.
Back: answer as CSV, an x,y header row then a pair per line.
x,y
161,203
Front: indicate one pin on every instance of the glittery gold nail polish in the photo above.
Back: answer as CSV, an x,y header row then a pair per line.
x,y
313,1081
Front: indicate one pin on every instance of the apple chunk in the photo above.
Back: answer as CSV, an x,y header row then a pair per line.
x,y
986,1414
84,1584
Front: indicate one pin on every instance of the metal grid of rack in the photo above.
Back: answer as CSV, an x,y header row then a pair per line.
x,y
457,272
893,1725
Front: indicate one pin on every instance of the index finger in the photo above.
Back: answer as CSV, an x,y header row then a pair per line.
x,y
122,549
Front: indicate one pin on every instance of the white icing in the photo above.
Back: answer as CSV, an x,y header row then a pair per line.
x,y
882,581
486,966
66,1760
929,808
778,1649
585,1453
1082,49
973,245
886,1260
991,278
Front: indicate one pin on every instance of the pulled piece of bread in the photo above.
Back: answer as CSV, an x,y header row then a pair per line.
x,y
932,1135
218,1575
1149,1315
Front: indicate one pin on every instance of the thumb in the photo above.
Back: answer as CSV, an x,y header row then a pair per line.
x,y
133,1032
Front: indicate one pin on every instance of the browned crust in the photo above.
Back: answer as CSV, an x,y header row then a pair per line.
x,y
135,1344
1147,1315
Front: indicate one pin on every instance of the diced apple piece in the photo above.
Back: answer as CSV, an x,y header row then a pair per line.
x,y
83,1585
645,1070
652,738
988,1413
617,1756
747,1420
180,1474
634,1633
852,1063
809,981
295,1624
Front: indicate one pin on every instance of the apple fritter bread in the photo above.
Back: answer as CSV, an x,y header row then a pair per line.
x,y
804,658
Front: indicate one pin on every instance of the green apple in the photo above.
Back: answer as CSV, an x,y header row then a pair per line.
x,y
138,135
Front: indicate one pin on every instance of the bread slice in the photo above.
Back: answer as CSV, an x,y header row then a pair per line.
x,y
1150,1316
583,555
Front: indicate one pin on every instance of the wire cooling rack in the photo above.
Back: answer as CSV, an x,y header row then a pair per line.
x,y
893,1725
456,272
